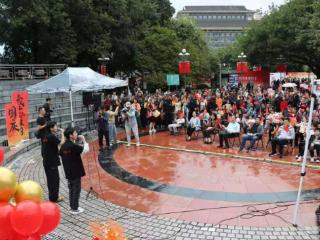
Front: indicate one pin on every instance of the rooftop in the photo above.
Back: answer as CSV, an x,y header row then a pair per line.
x,y
215,8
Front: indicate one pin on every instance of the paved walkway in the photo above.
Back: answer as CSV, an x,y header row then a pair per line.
x,y
28,166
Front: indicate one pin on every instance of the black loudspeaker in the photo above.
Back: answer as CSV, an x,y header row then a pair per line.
x,y
97,101
87,98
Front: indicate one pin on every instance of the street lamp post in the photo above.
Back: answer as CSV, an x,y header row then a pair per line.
x,y
184,56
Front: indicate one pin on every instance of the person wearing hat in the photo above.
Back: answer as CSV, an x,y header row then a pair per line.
x,y
128,115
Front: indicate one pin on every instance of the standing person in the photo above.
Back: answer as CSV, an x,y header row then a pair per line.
x,y
112,113
51,160
70,153
47,106
130,122
103,129
41,127
41,123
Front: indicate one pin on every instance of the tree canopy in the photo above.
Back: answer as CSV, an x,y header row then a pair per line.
x,y
291,31
135,34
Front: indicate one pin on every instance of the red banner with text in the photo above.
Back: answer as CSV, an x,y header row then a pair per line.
x,y
20,99
12,124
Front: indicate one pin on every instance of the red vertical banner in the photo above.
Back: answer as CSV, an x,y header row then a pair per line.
x,y
282,68
242,67
184,67
12,124
103,70
20,99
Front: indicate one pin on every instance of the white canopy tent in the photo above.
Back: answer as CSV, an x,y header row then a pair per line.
x,y
75,79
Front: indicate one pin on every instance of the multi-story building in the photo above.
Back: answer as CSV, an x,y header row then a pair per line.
x,y
222,24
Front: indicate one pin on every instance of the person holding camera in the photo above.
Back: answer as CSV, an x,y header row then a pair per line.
x,y
51,160
128,114
112,113
70,153
103,128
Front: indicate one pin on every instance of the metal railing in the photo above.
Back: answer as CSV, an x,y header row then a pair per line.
x,y
29,71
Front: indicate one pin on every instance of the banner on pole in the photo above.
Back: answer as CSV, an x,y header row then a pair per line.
x,y
20,99
12,124
184,67
173,80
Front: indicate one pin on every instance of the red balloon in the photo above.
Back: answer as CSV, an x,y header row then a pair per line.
x,y
1,156
26,218
51,217
34,237
6,231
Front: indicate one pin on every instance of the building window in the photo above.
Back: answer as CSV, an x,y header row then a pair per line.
x,y
238,17
210,17
242,17
224,17
228,17
205,17
233,17
214,16
200,17
219,17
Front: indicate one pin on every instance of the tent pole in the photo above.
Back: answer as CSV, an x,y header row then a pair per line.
x,y
71,107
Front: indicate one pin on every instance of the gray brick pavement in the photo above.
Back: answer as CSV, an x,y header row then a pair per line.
x,y
140,225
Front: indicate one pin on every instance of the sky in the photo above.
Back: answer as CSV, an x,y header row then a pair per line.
x,y
250,4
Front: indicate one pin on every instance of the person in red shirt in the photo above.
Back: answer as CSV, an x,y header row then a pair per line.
x,y
283,105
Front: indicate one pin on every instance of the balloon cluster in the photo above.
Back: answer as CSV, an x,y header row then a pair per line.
x,y
110,230
29,217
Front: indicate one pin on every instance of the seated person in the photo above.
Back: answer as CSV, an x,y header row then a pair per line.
x,y
312,145
193,125
229,132
254,131
173,128
207,129
283,134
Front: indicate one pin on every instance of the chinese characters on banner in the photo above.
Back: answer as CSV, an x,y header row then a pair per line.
x,y
17,118
12,124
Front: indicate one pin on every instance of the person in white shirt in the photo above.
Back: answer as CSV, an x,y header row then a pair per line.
x,y
283,135
194,125
230,131
173,128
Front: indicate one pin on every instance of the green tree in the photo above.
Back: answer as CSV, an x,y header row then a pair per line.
x,y
291,30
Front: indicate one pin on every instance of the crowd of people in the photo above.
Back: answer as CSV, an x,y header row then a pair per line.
x,y
248,113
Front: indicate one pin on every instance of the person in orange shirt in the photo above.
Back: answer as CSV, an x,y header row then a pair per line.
x,y
219,103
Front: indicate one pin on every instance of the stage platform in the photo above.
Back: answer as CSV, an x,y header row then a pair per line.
x,y
170,177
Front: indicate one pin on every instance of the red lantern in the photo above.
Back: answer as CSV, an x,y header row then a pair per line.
x,y
51,217
26,218
281,68
184,67
242,67
6,231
